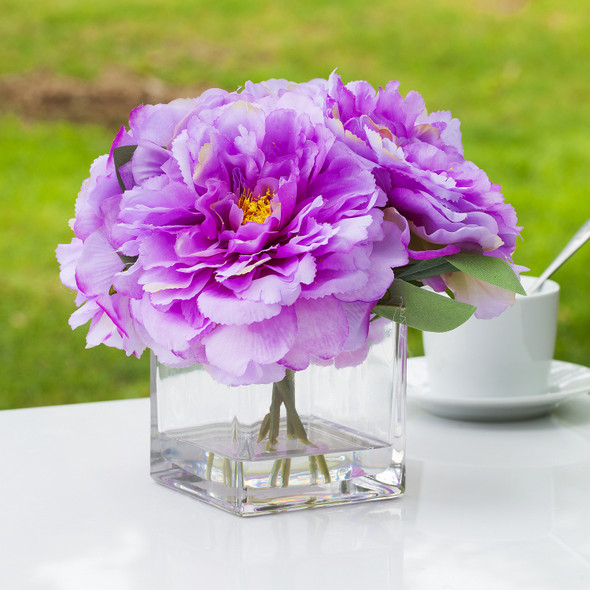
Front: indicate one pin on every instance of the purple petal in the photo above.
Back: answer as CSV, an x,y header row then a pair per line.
x,y
358,315
160,278
232,348
98,265
243,266
281,134
158,203
449,128
159,123
223,307
322,331
351,358
433,253
255,373
147,161
349,232
103,331
126,282
169,329
101,185
181,293
282,288
330,282
84,314
67,256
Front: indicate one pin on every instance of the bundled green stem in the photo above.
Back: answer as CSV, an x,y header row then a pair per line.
x,y
283,393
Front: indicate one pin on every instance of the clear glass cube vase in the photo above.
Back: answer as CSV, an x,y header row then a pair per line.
x,y
322,436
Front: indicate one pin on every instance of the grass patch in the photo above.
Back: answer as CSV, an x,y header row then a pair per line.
x,y
515,76
42,361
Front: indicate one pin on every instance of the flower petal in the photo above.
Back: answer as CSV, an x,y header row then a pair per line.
x,y
223,307
255,373
490,300
67,256
98,265
322,331
232,348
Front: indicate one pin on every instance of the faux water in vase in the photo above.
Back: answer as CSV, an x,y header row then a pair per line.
x,y
322,436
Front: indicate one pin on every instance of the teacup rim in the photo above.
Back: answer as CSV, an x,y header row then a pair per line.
x,y
548,288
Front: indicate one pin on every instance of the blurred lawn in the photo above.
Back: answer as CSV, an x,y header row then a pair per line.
x,y
513,71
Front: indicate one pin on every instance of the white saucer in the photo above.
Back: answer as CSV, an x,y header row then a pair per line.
x,y
565,381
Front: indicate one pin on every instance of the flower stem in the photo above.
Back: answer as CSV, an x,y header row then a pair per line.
x,y
313,469
286,472
210,459
227,472
324,468
286,391
283,393
274,474
275,419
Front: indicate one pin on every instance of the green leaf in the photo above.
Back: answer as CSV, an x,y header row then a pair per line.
x,y
488,269
128,261
423,309
424,269
122,155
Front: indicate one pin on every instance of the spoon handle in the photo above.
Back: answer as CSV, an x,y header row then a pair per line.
x,y
577,241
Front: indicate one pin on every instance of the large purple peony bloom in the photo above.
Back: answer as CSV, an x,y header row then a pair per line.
x,y
255,231
448,201
248,237
447,204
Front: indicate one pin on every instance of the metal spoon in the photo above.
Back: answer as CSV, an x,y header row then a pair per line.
x,y
578,240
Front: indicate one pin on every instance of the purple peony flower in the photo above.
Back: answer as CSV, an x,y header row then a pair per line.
x,y
255,231
247,237
449,203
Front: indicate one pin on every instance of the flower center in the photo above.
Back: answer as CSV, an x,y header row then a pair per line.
x,y
255,209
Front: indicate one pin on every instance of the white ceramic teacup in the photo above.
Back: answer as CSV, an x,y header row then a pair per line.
x,y
506,356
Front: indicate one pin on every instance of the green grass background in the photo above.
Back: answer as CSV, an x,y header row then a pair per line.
x,y
514,72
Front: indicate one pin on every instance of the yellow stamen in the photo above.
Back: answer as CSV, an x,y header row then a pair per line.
x,y
255,209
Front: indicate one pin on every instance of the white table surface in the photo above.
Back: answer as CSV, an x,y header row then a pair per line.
x,y
488,506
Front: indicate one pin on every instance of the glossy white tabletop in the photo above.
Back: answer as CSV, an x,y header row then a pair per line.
x,y
488,506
